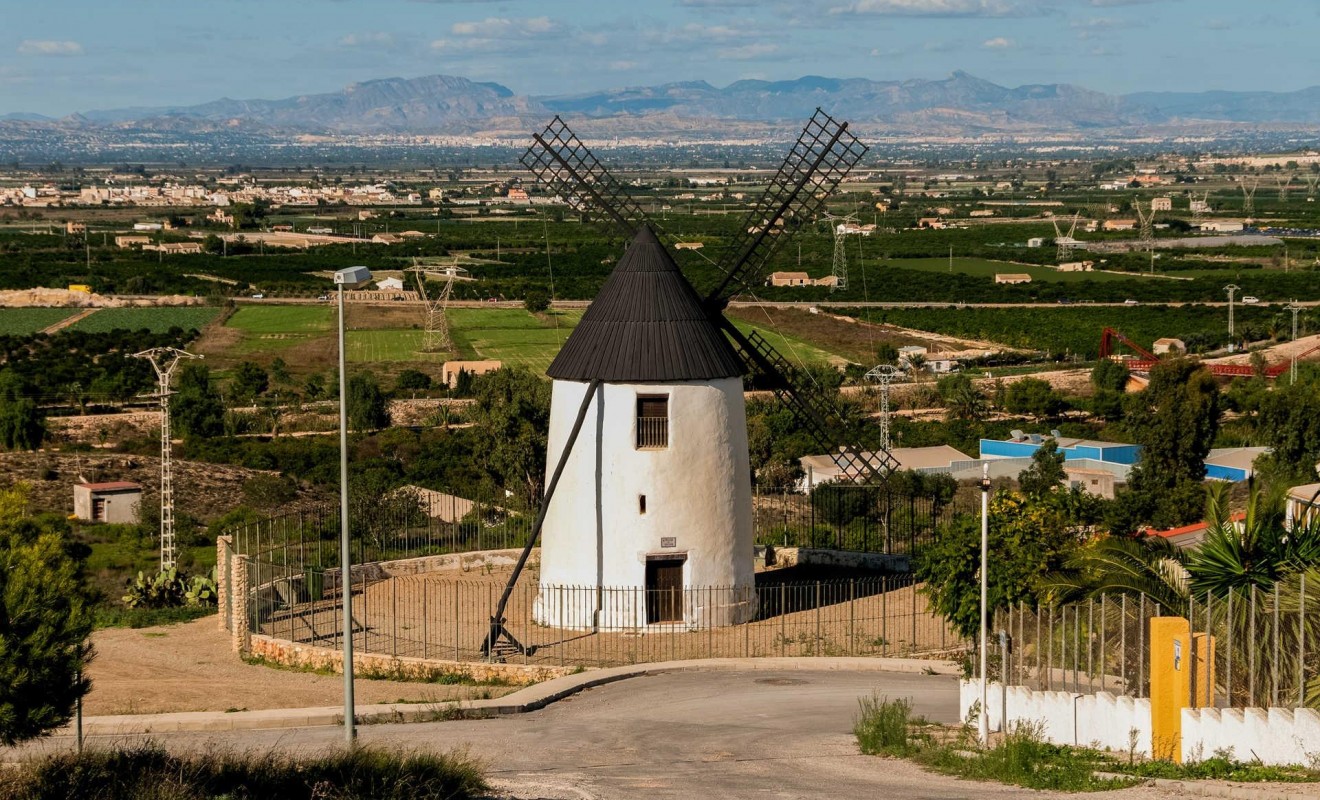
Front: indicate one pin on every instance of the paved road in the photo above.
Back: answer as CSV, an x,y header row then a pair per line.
x,y
684,735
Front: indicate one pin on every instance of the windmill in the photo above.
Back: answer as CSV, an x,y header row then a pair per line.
x,y
840,227
661,367
1067,242
436,335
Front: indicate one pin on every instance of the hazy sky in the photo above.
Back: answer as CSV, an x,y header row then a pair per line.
x,y
59,56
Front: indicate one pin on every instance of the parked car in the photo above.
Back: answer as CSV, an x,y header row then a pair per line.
x,y
1131,302
1251,300
258,296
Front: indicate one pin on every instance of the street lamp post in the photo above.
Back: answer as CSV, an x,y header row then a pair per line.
x,y
984,717
1232,289
352,278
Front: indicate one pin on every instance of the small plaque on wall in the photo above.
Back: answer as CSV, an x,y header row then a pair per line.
x,y
669,541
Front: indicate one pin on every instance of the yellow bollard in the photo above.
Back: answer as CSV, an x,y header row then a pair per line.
x,y
1170,684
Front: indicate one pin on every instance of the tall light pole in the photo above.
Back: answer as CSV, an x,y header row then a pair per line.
x,y
1295,309
984,717
1232,289
352,278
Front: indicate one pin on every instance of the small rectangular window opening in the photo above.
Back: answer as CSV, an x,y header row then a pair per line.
x,y
652,422
641,504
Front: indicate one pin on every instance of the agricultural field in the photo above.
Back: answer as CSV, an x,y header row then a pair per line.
x,y
986,268
26,321
261,320
1076,331
156,320
514,336
405,346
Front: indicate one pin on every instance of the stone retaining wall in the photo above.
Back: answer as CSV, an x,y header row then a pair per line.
x,y
301,656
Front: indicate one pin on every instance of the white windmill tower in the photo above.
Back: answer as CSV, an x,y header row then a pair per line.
x,y
659,476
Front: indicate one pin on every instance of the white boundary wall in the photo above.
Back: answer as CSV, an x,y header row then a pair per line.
x,y
1275,736
1084,720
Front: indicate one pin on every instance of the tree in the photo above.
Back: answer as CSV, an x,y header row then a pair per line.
x,y
195,408
412,379
1033,397
45,622
537,301
512,421
1029,540
1175,419
1290,424
962,399
886,353
1109,375
367,407
249,382
22,424
1046,472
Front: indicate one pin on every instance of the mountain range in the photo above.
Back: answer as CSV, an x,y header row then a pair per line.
x,y
958,104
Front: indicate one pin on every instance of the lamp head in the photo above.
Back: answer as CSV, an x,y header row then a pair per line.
x,y
352,277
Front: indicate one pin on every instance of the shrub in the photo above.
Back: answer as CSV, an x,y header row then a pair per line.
x,y
171,588
148,771
881,726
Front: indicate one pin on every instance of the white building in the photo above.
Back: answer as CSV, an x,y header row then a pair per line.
x,y
655,497
390,284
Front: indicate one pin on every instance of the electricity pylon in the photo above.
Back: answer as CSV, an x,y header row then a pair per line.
x,y
840,269
1147,219
164,360
436,333
1249,186
1065,243
885,375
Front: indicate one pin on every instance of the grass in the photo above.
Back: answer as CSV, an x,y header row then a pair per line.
x,y
25,321
390,345
156,320
511,335
985,268
798,351
1022,757
149,772
259,320
116,616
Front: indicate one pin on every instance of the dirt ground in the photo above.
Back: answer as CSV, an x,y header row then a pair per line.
x,y
190,667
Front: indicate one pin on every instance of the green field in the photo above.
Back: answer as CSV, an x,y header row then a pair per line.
x,y
24,321
514,336
373,346
157,320
799,352
985,268
282,319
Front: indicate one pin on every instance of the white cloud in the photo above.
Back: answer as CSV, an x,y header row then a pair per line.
x,y
622,66
368,39
747,52
997,43
49,47
937,8
506,28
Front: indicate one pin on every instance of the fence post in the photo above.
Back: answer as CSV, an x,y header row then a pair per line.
x,y
242,634
456,622
852,615
1141,647
1122,642
1090,644
816,649
1274,663
1251,654
1049,662
783,616
1301,641
1228,652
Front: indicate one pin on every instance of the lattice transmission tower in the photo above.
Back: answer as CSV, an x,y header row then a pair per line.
x,y
1147,219
164,360
1249,186
1311,182
839,227
884,375
1065,242
435,337
1284,181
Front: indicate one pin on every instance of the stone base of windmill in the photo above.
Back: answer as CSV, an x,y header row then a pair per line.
x,y
638,609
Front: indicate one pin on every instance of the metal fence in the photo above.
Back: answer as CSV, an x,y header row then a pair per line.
x,y
873,519
442,616
1249,648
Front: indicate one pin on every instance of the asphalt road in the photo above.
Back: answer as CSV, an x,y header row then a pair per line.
x,y
731,735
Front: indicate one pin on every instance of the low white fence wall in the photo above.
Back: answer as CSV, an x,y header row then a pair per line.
x,y
1104,720
1272,736
1275,736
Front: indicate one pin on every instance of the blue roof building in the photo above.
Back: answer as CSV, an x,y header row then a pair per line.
x,y
1025,445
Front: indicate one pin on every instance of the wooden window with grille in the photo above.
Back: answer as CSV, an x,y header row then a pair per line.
x,y
652,422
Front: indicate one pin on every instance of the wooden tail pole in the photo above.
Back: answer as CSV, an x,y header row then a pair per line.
x,y
497,629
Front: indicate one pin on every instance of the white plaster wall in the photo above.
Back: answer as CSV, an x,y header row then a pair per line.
x,y
1278,736
1085,720
698,491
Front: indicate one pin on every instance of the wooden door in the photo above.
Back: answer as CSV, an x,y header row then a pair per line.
x,y
664,590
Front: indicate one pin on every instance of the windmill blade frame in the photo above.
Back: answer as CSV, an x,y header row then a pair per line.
x,y
562,163
823,155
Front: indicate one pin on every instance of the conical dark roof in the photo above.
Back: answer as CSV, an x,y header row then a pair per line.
x,y
646,325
